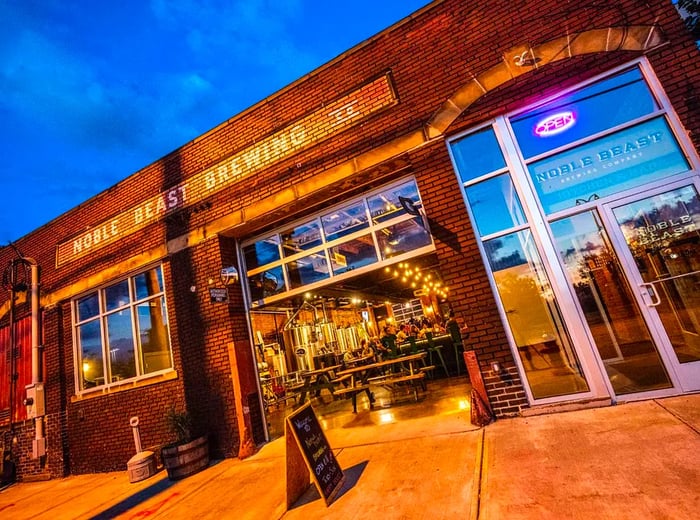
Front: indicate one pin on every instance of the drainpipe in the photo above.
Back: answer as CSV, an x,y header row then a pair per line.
x,y
36,400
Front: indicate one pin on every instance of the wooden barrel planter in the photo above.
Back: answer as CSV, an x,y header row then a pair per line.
x,y
183,460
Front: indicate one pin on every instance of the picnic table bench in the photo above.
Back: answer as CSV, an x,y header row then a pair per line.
x,y
360,379
317,380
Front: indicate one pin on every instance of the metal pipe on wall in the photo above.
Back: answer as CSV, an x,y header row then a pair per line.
x,y
39,444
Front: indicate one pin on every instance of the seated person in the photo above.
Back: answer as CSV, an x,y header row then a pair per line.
x,y
413,327
451,325
403,333
366,348
424,328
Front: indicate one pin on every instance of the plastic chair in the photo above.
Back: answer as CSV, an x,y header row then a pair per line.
x,y
435,349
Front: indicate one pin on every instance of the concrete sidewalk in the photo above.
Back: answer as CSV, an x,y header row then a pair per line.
x,y
638,461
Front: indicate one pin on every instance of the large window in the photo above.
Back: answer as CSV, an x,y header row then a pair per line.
x,y
534,317
604,105
380,227
641,154
528,302
121,331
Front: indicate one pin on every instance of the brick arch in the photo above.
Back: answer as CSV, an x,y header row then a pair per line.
x,y
522,59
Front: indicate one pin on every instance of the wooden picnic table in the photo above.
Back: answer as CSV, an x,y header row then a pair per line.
x,y
360,376
409,359
317,380
359,360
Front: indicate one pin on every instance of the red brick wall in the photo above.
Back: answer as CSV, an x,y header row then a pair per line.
x,y
244,359
430,57
463,272
203,333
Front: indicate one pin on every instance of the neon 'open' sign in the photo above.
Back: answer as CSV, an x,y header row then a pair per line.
x,y
555,124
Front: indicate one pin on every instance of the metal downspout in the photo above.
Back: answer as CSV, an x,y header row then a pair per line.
x,y
39,445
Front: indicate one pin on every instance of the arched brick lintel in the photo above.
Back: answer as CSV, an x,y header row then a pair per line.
x,y
523,59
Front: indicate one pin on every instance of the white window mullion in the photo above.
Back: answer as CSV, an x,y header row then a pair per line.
x,y
136,336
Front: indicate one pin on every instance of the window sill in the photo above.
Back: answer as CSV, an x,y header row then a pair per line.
x,y
120,386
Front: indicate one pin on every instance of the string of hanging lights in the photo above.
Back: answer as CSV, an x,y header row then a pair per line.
x,y
425,282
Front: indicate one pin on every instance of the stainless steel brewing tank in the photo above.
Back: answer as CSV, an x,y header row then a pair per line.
x,y
299,341
327,335
353,338
348,338
299,335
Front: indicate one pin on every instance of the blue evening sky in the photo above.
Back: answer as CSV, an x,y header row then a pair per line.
x,y
92,91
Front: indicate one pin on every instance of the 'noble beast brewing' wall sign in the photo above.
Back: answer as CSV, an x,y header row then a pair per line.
x,y
334,116
308,451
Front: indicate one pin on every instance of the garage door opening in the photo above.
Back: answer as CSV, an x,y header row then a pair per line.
x,y
394,320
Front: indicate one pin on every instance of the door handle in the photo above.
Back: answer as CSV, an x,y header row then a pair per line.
x,y
649,290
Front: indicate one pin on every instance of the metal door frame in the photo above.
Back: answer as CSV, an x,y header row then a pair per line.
x,y
684,376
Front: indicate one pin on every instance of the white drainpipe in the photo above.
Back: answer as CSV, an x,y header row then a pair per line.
x,y
36,400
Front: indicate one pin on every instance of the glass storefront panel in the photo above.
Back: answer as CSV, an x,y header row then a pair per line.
x,y
353,255
403,237
663,235
153,335
388,203
92,368
148,283
586,112
262,252
534,318
88,307
638,155
478,154
117,295
120,343
301,238
307,270
495,205
345,221
267,283
622,338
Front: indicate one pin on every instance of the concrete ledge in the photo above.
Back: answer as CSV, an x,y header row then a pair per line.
x,y
568,406
39,477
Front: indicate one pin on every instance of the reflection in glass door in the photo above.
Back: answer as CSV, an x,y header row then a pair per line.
x,y
626,348
546,352
662,233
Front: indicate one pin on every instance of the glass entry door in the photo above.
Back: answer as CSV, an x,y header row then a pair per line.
x,y
615,319
635,269
662,235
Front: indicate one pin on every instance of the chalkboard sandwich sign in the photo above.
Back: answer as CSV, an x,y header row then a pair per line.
x,y
308,451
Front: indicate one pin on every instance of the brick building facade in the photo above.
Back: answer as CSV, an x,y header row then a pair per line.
x,y
389,109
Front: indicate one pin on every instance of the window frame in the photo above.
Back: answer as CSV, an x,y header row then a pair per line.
x,y
101,318
538,219
373,226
